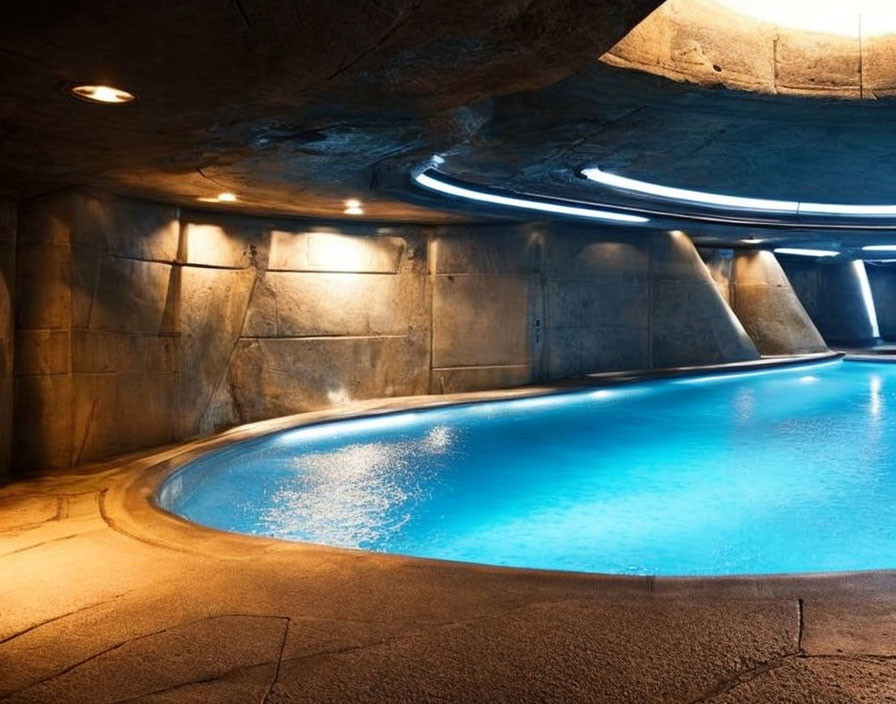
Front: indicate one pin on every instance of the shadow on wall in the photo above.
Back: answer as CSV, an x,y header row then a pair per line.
x,y
833,296
7,269
140,324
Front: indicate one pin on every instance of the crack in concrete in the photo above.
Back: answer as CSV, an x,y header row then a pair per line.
x,y
41,544
129,641
9,638
743,677
276,677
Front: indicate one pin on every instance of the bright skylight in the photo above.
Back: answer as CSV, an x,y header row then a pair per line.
x,y
847,18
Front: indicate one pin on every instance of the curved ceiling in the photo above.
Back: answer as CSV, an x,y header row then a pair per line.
x,y
822,48
298,112
289,105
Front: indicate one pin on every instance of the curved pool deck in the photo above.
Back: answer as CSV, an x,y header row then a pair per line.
x,y
106,598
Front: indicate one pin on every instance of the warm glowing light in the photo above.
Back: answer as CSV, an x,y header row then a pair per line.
x,y
101,94
226,198
720,200
353,207
859,267
879,248
523,203
806,252
856,18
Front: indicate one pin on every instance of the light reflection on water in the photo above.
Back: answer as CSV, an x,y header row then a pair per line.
x,y
779,471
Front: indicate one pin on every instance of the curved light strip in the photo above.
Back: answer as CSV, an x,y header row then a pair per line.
x,y
799,252
879,248
654,189
526,203
790,207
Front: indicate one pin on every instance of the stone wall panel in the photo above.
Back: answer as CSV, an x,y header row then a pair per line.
x,y
480,320
213,311
272,377
131,296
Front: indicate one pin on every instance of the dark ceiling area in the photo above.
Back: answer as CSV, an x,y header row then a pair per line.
x,y
297,107
288,104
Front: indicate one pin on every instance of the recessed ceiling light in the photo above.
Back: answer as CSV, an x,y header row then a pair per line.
x,y
101,94
751,240
353,207
226,198
880,248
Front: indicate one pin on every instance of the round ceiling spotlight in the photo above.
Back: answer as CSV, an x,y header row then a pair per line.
x,y
108,95
353,207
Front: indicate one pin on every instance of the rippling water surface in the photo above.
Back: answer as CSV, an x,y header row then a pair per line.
x,y
790,470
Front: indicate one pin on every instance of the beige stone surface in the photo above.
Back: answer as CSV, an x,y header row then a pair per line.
x,y
279,376
131,296
481,320
492,249
700,42
333,251
213,312
760,294
293,304
126,227
224,241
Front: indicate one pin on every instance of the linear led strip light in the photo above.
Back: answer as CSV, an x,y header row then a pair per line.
x,y
800,252
719,200
435,184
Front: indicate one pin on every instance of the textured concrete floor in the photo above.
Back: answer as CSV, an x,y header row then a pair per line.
x,y
105,599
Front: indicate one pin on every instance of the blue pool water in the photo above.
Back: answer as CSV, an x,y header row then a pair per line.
x,y
790,470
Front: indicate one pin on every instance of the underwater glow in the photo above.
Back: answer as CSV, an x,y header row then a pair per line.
x,y
783,470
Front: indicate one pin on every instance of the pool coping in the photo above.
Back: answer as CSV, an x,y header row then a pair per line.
x,y
129,504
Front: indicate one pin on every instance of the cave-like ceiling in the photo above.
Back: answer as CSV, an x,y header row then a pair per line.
x,y
299,107
288,104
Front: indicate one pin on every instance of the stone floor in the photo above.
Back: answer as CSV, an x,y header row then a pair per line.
x,y
105,599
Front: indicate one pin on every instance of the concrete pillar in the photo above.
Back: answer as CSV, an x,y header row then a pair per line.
x,y
765,302
882,278
832,295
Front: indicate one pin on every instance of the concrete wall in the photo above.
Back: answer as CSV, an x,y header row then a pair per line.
x,y
757,289
140,324
882,278
831,294
7,288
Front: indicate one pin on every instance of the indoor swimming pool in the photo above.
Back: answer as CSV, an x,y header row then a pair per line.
x,y
777,471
